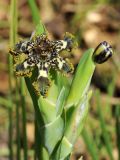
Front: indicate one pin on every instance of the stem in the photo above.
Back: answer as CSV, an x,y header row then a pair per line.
x,y
34,11
90,144
24,119
13,29
10,143
104,128
37,142
35,145
117,116
36,17
39,155
17,127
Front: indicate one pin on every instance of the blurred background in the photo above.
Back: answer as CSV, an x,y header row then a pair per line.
x,y
91,21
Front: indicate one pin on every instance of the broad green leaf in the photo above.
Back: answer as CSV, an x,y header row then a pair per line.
x,y
60,102
63,81
47,109
40,152
47,105
64,149
82,79
81,116
53,93
79,113
52,133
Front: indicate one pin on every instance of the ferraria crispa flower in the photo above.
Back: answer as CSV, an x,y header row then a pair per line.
x,y
44,54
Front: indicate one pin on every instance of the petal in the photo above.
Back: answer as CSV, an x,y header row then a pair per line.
x,y
24,69
71,41
43,83
62,65
41,86
59,45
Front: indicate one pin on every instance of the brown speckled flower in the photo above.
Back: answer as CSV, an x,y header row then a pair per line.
x,y
44,54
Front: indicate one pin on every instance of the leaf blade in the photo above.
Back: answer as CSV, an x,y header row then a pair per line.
x,y
82,79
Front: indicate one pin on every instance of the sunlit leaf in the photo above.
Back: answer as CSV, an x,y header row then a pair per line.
x,y
52,133
81,79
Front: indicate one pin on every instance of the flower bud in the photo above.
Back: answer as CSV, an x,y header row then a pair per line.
x,y
102,52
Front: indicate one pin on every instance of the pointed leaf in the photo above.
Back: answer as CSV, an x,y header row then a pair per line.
x,y
52,133
64,150
75,125
60,102
47,105
47,109
82,79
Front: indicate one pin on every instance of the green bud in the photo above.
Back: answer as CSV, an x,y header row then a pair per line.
x,y
102,52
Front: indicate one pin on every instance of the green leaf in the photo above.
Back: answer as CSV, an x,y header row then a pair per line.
x,y
63,81
34,11
40,29
105,133
64,149
47,109
47,105
77,116
90,144
36,17
60,102
82,79
53,93
82,115
73,128
52,133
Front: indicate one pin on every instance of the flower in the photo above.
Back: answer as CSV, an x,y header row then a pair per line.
x,y
44,54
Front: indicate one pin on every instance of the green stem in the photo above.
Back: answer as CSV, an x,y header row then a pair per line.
x,y
37,142
18,127
24,119
36,17
39,150
35,134
41,29
13,29
117,116
10,143
104,128
34,100
90,144
34,11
